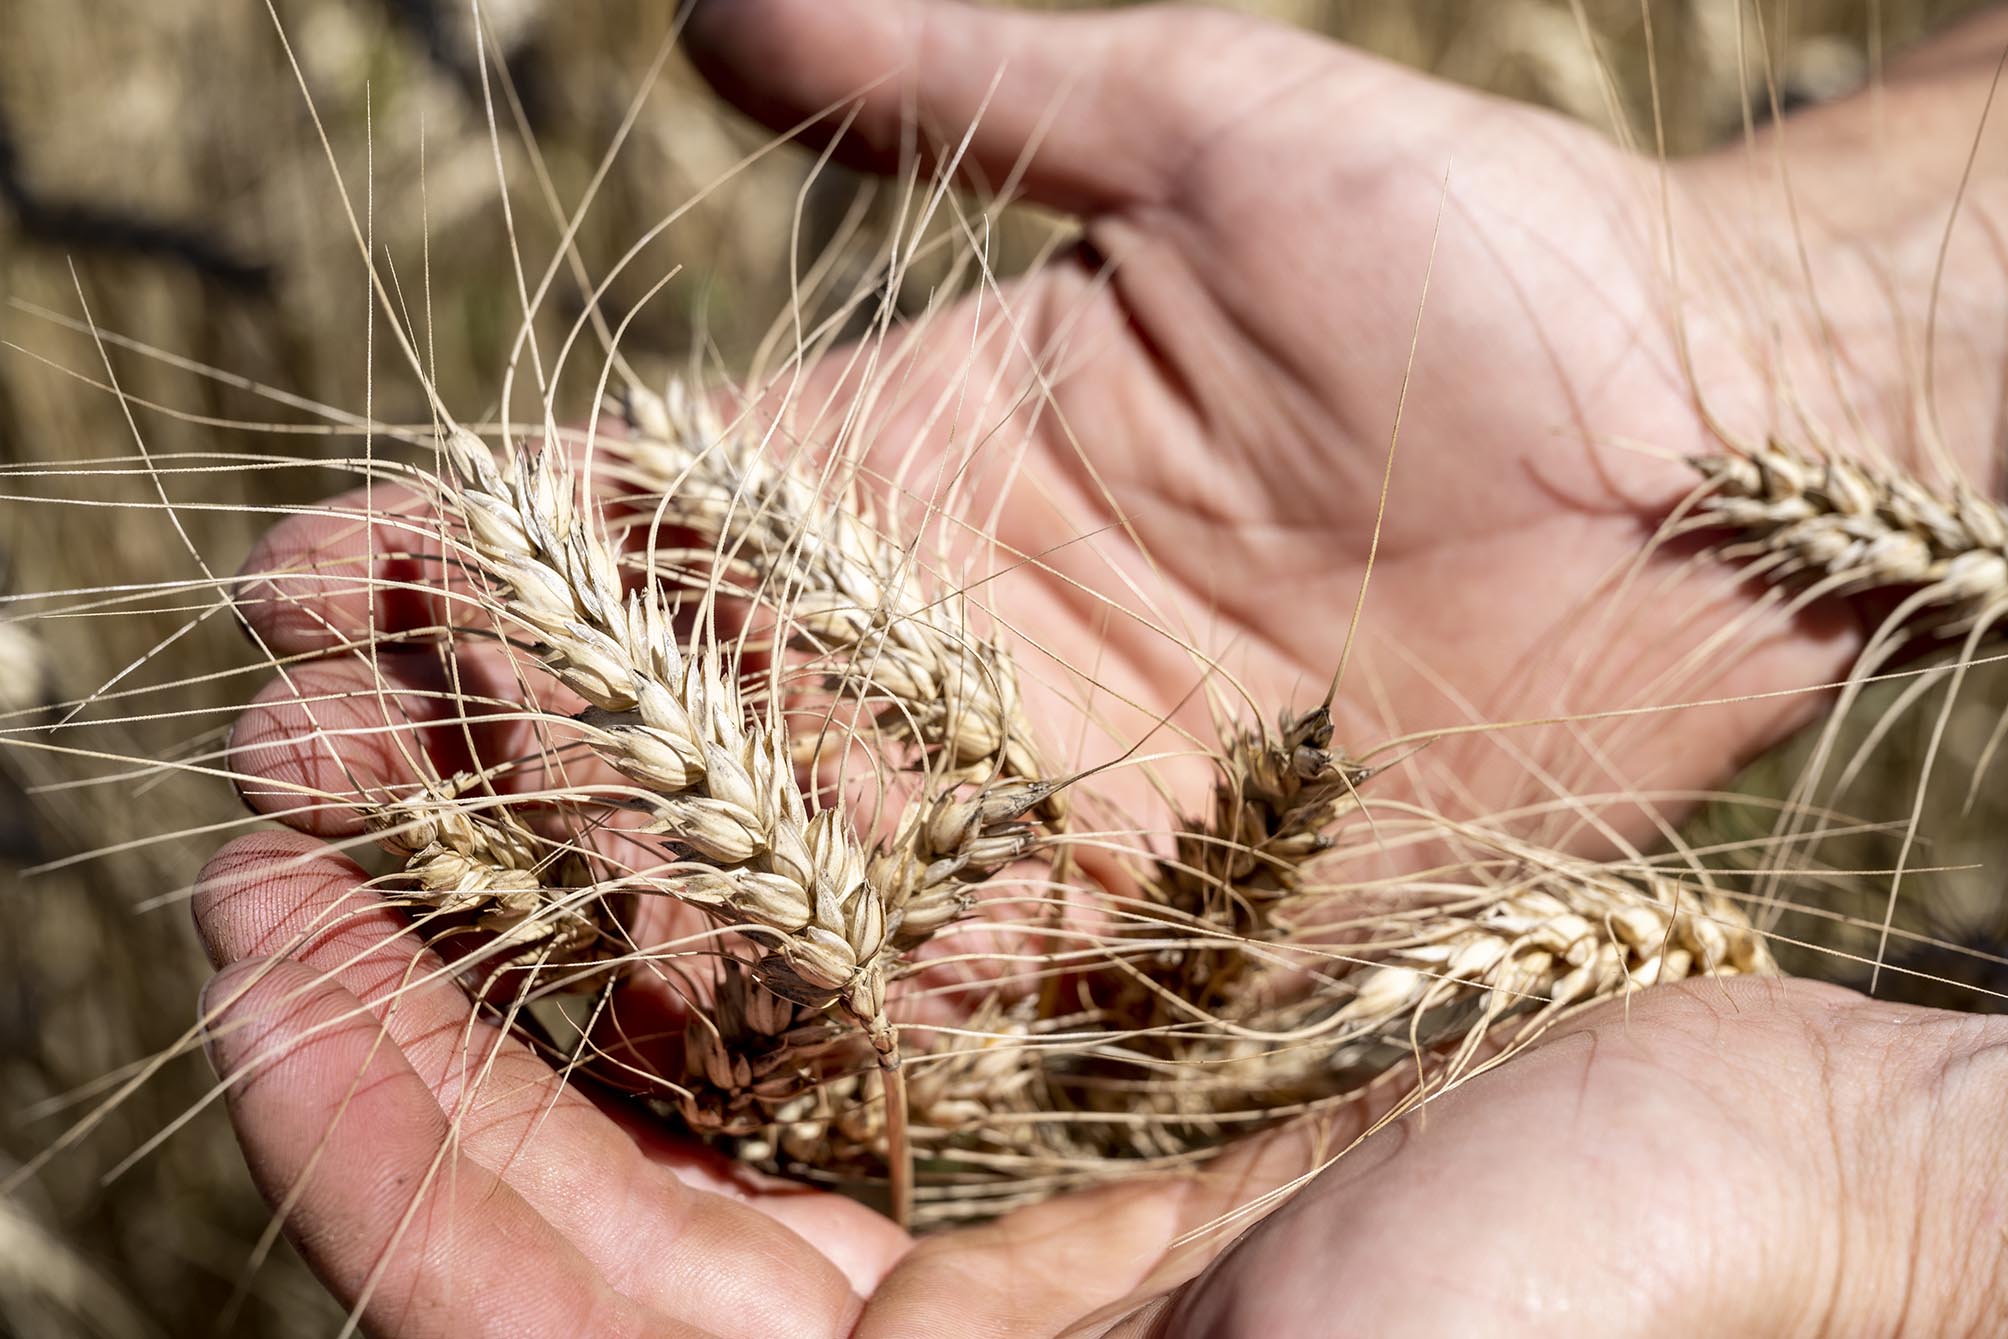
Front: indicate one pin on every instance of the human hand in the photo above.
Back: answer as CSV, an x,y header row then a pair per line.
x,y
1246,357
1267,205
1735,1157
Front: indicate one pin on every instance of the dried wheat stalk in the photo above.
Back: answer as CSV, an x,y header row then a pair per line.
x,y
1856,529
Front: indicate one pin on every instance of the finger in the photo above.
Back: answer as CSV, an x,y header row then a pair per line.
x,y
1087,1252
281,895
328,737
656,1223
285,895
368,564
1102,110
326,748
416,1237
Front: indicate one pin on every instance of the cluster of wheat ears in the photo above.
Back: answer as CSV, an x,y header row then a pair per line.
x,y
918,989
895,988
740,624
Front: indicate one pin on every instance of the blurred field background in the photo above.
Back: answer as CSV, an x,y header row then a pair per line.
x,y
163,149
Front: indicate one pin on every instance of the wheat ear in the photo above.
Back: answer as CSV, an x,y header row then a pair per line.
x,y
975,1087
486,864
851,594
1563,934
1855,529
718,785
1438,984
1279,795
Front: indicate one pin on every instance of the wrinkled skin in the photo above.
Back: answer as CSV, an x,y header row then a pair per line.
x,y
1770,1158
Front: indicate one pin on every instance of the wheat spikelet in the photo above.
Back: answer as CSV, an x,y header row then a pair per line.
x,y
946,844
1856,529
487,865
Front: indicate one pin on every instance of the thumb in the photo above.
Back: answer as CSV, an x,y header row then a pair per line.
x,y
1098,111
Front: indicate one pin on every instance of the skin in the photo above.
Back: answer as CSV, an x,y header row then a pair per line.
x,y
1258,207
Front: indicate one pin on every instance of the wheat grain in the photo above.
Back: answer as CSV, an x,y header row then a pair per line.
x,y
945,845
